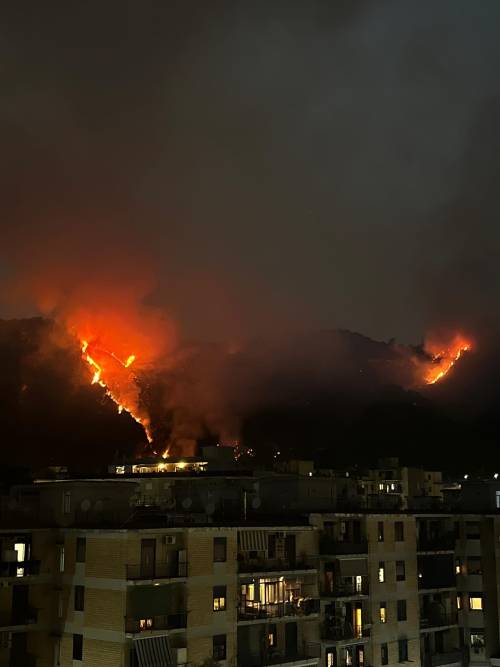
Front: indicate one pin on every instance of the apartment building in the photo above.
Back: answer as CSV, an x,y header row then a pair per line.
x,y
92,574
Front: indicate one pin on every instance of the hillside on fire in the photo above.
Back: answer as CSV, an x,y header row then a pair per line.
x,y
336,396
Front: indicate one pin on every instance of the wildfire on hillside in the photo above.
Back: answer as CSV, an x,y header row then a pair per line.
x,y
117,378
444,356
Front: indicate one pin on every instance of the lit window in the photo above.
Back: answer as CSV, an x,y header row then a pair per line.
x,y
497,495
20,549
61,558
359,583
383,612
330,659
459,602
381,572
145,623
458,566
380,487
219,597
271,635
348,657
477,641
475,602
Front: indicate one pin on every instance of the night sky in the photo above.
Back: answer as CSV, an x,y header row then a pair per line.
x,y
268,165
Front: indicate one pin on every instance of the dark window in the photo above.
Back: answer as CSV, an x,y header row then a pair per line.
x,y
219,647
401,610
403,650
400,570
474,565
77,647
384,654
271,546
79,598
399,531
220,549
472,530
380,531
134,661
272,635
219,598
81,548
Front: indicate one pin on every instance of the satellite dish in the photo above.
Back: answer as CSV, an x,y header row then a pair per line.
x,y
210,508
85,505
186,503
256,503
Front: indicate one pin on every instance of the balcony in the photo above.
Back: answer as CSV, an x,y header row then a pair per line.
x,y
164,622
345,632
254,611
346,590
332,547
14,619
444,542
291,660
431,621
26,660
448,658
277,565
167,570
27,568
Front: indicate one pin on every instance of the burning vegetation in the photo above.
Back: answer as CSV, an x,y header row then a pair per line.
x,y
444,357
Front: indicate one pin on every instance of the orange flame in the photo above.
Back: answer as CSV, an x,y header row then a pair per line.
x,y
112,382
443,359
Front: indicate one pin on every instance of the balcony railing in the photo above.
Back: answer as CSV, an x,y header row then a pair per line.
x,y
23,569
331,546
164,622
449,658
165,570
255,610
276,565
437,620
344,632
346,589
26,660
445,542
28,616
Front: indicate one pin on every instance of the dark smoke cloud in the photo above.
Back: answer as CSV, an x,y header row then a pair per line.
x,y
278,161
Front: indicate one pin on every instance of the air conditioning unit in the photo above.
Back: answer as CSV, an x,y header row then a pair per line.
x,y
169,539
181,656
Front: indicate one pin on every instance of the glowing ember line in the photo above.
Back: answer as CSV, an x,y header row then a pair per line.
x,y
97,379
433,378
